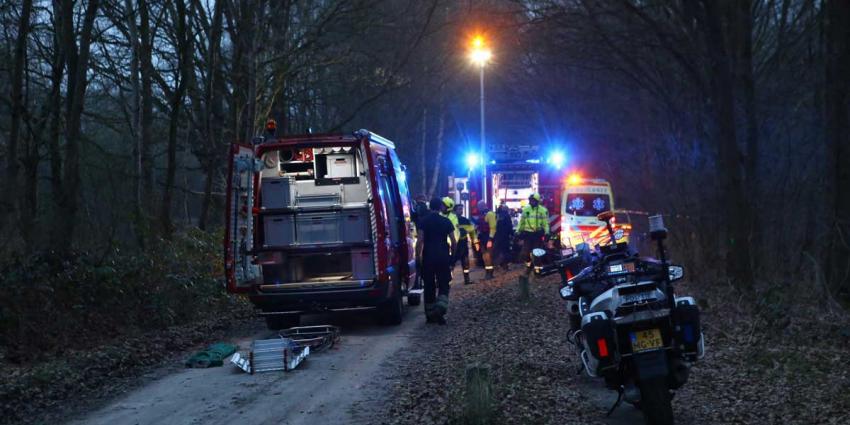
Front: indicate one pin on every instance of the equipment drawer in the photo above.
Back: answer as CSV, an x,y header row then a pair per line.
x,y
277,192
355,226
316,228
279,230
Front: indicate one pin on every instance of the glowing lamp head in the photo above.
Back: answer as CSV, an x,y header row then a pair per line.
x,y
574,179
480,57
479,54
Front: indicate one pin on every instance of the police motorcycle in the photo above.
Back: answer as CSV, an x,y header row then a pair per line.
x,y
629,327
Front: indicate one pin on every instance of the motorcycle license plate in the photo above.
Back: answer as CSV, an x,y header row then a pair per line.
x,y
649,339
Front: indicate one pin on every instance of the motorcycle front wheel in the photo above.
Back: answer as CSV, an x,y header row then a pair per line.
x,y
656,402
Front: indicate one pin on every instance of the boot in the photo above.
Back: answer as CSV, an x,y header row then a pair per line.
x,y
441,307
430,317
466,280
488,274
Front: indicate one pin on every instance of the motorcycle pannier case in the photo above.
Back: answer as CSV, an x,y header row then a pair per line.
x,y
686,331
600,340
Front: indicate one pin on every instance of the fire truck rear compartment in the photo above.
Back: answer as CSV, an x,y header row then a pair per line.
x,y
315,226
354,264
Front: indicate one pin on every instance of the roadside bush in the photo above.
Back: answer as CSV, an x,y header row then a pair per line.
x,y
50,304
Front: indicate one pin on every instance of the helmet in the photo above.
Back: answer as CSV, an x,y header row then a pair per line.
x,y
535,196
448,202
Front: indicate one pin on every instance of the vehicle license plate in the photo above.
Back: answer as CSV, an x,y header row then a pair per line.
x,y
649,339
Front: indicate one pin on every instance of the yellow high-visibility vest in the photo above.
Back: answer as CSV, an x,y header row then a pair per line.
x,y
534,219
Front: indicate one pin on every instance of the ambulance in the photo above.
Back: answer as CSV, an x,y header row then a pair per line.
x,y
582,200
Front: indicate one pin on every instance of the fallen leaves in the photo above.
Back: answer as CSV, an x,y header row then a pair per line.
x,y
750,374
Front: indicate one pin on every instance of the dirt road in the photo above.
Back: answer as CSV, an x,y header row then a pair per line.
x,y
353,382
341,385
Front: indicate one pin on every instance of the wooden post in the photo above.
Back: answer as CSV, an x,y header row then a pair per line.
x,y
478,409
524,290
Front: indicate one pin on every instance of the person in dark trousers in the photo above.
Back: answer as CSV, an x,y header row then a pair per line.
x,y
504,237
434,248
466,230
486,234
533,228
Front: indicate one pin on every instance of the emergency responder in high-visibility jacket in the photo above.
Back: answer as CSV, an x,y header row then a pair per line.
x,y
486,233
533,228
466,231
450,214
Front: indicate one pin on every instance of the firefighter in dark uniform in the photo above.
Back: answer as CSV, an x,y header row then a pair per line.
x,y
466,230
434,247
486,233
533,228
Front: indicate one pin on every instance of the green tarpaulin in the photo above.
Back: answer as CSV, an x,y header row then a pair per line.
x,y
212,356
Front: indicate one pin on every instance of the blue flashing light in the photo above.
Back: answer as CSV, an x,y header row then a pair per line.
x,y
473,160
556,159
532,161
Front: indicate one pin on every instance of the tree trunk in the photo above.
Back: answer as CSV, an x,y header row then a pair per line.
x,y
28,210
146,71
212,126
837,131
744,35
77,62
185,67
17,107
206,202
737,215
438,154
136,124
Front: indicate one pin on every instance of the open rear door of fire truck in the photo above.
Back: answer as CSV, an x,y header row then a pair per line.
x,y
240,270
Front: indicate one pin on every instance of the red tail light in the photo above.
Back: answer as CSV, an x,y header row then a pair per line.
x,y
603,347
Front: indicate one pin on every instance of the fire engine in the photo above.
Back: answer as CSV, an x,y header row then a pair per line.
x,y
319,223
512,173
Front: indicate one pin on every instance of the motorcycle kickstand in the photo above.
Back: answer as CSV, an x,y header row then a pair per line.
x,y
617,403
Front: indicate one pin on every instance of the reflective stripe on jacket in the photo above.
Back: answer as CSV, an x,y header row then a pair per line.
x,y
465,228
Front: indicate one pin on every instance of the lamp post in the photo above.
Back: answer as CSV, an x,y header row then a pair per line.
x,y
480,54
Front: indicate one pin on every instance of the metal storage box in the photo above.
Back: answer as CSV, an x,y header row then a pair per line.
x,y
341,165
355,226
279,230
362,264
318,227
276,192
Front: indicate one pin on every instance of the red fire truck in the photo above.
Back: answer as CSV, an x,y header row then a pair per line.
x,y
513,173
319,223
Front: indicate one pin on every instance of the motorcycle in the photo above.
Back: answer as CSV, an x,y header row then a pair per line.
x,y
628,326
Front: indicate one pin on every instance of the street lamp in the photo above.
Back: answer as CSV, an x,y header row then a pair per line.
x,y
480,54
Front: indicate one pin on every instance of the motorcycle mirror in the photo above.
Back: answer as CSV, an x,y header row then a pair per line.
x,y
605,216
537,252
676,273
